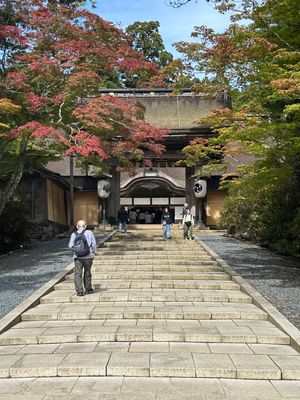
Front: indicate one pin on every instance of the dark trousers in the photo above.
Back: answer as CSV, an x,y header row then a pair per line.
x,y
187,231
83,265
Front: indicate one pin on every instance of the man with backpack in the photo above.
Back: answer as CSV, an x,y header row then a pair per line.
x,y
83,244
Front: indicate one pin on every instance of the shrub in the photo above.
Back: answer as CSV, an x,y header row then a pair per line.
x,y
266,214
14,227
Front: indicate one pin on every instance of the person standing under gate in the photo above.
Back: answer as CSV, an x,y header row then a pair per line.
x,y
141,217
147,217
166,221
132,216
83,244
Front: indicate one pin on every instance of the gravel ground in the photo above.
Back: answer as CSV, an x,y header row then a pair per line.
x,y
277,278
25,271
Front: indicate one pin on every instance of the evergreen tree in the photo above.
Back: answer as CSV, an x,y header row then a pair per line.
x,y
258,65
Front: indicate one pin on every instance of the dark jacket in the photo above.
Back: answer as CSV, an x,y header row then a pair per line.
x,y
167,217
184,211
122,215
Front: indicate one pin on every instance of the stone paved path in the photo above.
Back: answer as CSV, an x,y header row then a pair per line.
x,y
165,323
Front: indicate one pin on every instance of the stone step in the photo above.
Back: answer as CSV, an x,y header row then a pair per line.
x,y
155,260
155,364
182,253
147,313
148,237
162,296
158,242
154,284
177,238
160,309
158,256
134,275
160,262
127,310
215,331
152,247
147,388
162,250
165,347
99,267
132,246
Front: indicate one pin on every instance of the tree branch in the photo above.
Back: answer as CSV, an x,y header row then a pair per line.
x,y
60,111
176,3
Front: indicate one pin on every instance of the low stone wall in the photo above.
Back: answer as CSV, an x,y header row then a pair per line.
x,y
46,230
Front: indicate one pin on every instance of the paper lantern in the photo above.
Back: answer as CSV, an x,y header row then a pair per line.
x,y
103,188
200,188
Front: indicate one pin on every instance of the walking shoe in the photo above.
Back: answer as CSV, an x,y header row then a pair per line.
x,y
89,291
80,294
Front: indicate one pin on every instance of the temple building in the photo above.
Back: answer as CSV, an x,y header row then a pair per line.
x,y
150,189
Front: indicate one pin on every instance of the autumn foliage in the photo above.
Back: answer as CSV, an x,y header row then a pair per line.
x,y
55,60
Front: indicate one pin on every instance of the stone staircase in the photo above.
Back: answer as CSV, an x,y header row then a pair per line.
x,y
161,309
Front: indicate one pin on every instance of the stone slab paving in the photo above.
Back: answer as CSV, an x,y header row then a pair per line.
x,y
165,322
73,388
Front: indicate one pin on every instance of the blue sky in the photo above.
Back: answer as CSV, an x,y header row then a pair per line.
x,y
175,24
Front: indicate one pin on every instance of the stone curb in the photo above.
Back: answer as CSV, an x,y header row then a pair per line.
x,y
260,301
14,316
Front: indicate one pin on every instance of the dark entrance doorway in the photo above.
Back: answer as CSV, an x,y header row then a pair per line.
x,y
150,214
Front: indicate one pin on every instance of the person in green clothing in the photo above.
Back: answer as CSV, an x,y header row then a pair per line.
x,y
188,223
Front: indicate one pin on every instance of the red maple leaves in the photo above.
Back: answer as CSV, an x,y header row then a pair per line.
x,y
117,122
55,62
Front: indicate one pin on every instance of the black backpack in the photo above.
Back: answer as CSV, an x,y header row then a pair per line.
x,y
81,247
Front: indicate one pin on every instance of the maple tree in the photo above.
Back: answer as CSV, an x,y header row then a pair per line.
x,y
257,66
54,58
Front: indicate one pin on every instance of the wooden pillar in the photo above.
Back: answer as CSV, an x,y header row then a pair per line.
x,y
71,191
113,203
192,201
33,182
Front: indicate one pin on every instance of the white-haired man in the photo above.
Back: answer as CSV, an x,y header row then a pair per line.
x,y
83,244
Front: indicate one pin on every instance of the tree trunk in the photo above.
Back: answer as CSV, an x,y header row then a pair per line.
x,y
11,185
